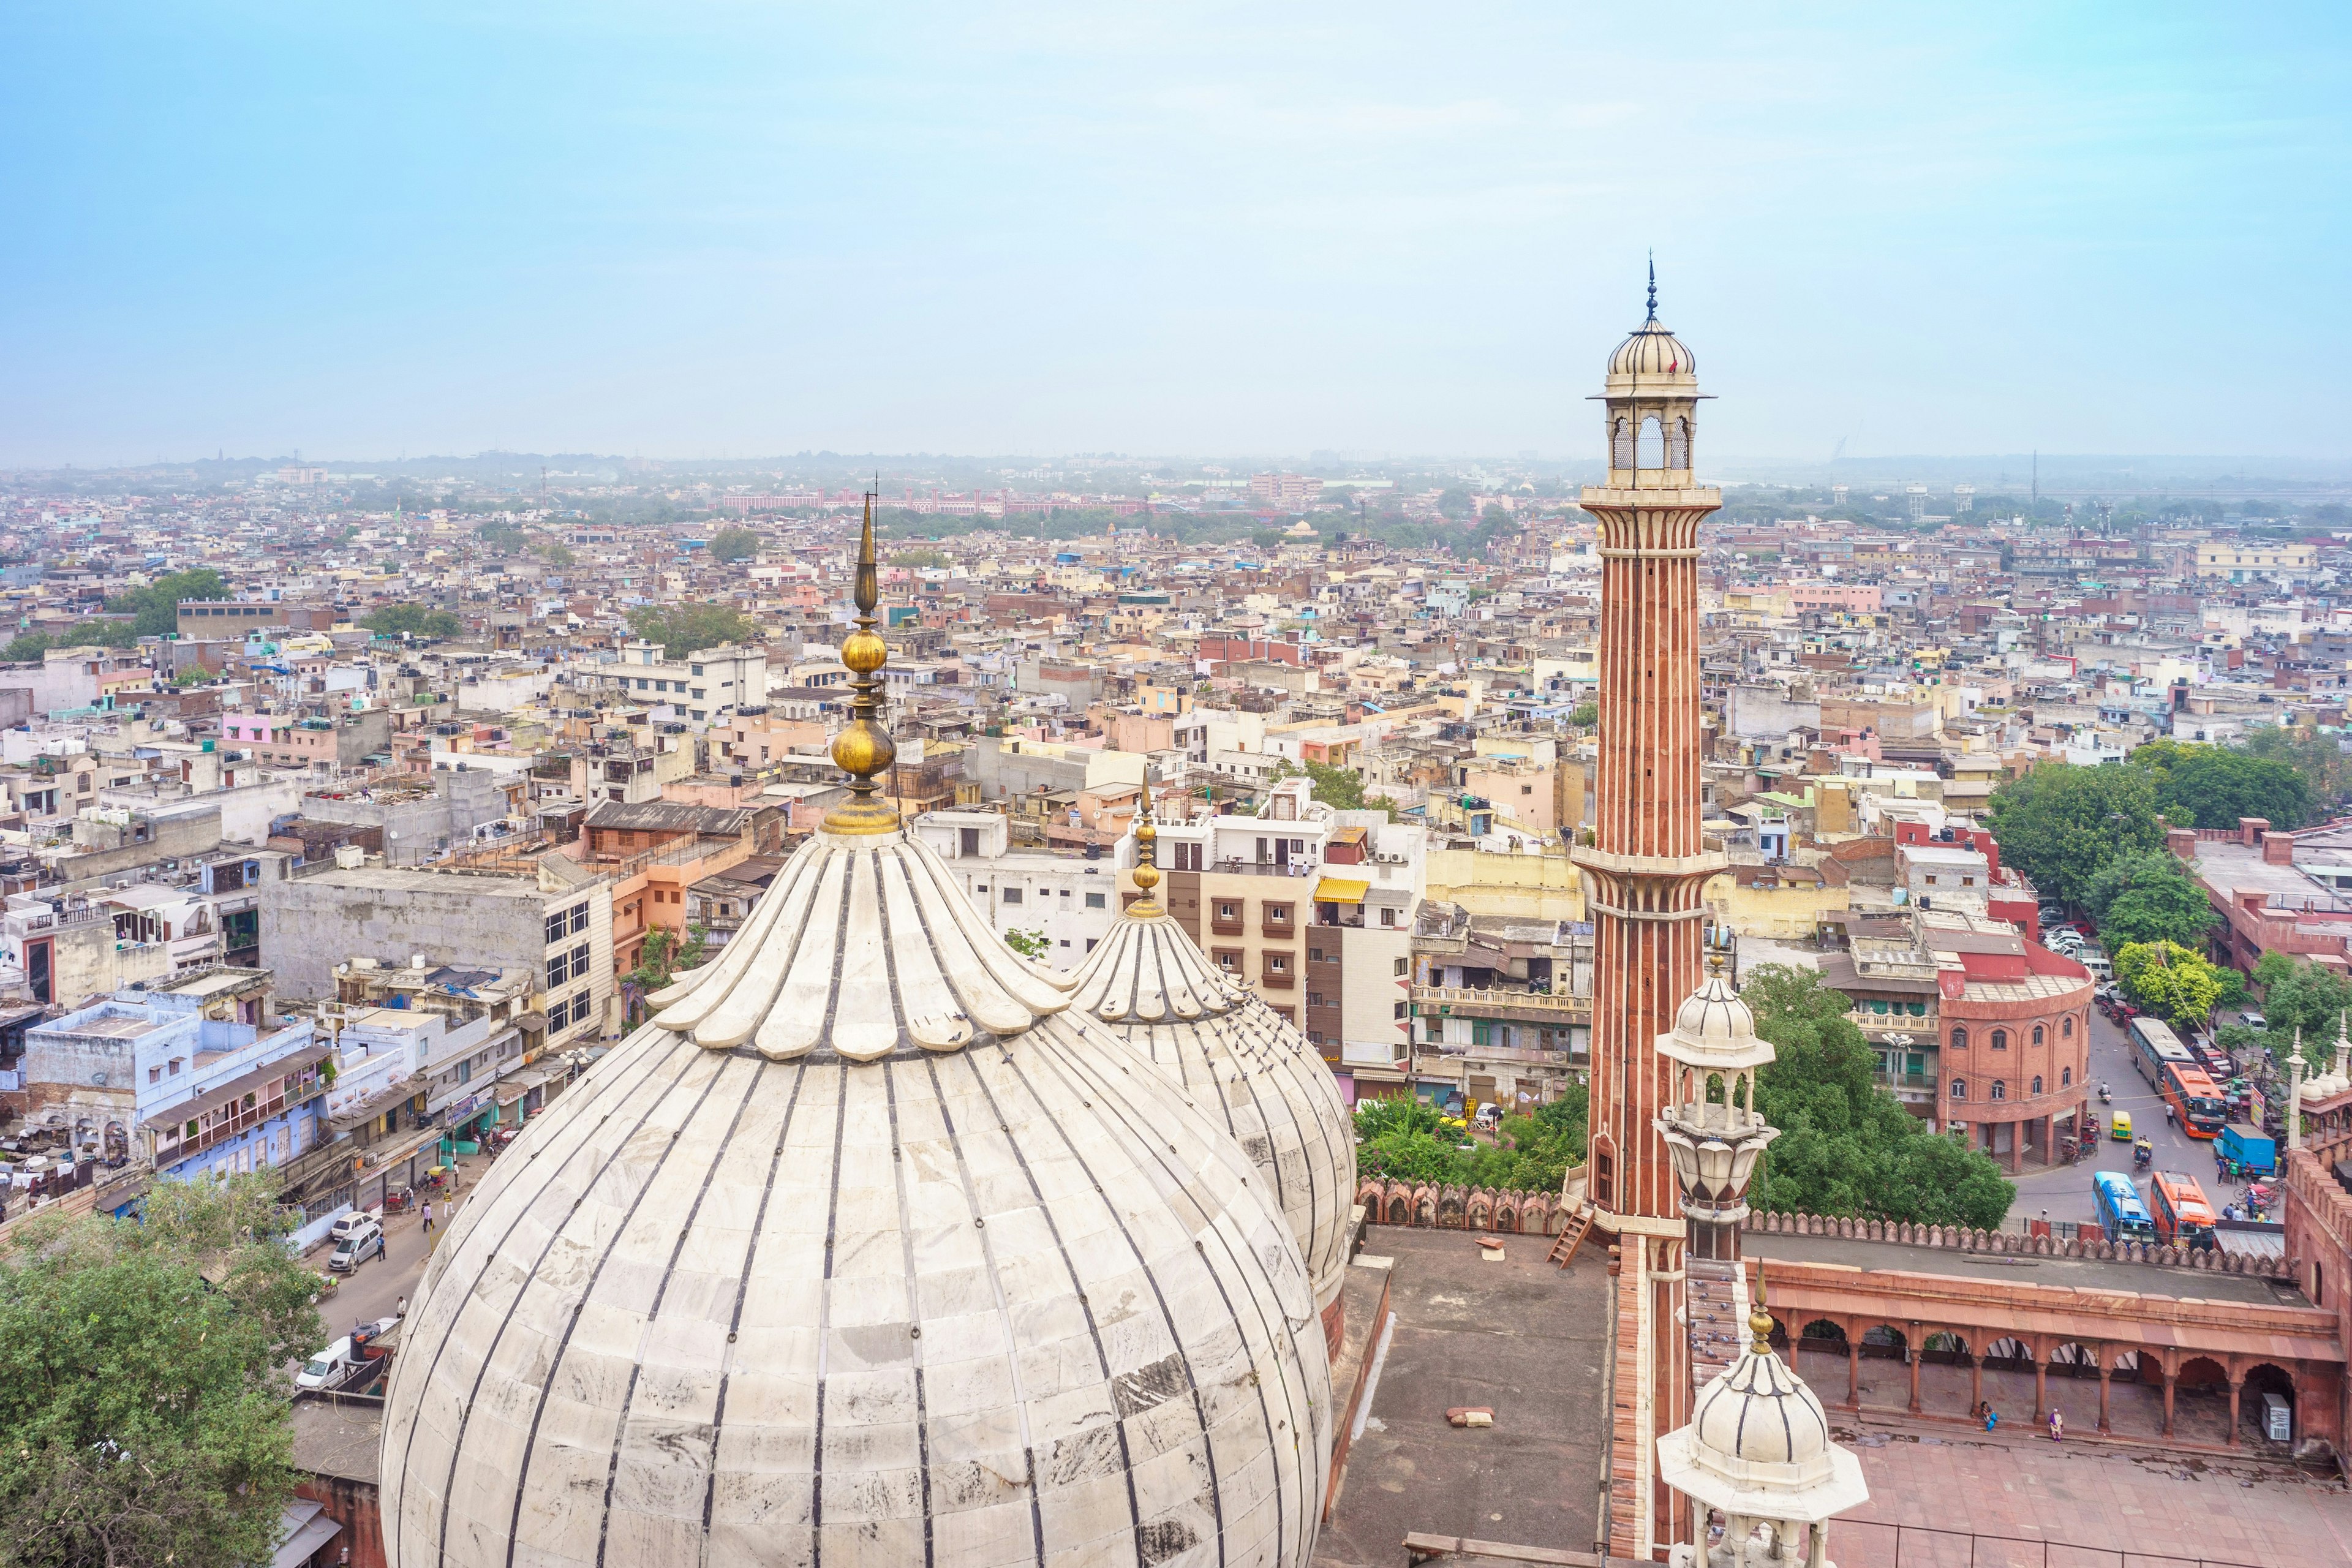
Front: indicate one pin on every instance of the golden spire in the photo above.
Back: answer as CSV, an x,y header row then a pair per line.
x,y
1759,1322
1147,858
864,747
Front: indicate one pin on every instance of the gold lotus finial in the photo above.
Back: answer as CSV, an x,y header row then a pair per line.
x,y
1147,858
1759,1322
864,747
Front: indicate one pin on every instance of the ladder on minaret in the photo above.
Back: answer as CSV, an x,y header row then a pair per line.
x,y
1572,1235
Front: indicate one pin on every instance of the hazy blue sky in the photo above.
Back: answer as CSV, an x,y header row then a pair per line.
x,y
681,230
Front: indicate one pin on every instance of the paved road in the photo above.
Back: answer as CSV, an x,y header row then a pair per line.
x,y
2064,1191
374,1289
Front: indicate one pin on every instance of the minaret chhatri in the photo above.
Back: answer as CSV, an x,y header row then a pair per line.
x,y
1642,876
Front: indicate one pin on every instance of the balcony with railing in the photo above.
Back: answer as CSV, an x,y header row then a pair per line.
x,y
1497,1002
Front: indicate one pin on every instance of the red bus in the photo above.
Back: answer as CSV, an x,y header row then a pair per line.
x,y
2196,1101
2183,1217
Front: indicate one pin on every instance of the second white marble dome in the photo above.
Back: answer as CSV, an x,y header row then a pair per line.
x,y
863,1251
1219,1044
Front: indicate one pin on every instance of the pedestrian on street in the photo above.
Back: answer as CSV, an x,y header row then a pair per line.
x,y
400,1310
2057,1426
428,1216
379,1247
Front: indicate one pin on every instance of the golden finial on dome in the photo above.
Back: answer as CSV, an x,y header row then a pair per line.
x,y
864,747
1759,1322
1147,858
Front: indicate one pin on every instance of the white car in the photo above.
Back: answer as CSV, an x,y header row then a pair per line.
x,y
347,1225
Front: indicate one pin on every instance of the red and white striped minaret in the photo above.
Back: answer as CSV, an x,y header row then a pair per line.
x,y
1643,876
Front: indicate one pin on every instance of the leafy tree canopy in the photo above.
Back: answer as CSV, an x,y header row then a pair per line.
x,y
2175,983
1847,1146
2146,897
95,633
145,1413
682,629
1027,943
664,957
734,544
1586,716
155,609
919,558
416,620
2061,825
1411,1140
2213,786
2300,995
2317,759
1342,789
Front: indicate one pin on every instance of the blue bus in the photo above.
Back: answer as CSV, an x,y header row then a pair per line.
x,y
2120,1209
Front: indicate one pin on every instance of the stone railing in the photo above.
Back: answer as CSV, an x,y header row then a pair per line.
x,y
1455,1207
1964,1238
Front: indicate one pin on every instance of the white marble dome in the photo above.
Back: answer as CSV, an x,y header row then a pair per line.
x,y
1715,1029
1232,1056
863,1250
1758,1444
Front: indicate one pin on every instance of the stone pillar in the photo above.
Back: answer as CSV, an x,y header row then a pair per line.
x,y
1853,1371
2170,1377
2041,1383
2016,1140
1976,1374
2105,1372
2236,1384
1915,1353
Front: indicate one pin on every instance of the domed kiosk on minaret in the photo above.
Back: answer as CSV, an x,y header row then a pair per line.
x,y
1219,1045
867,1248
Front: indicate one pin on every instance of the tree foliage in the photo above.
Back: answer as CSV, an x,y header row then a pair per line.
x,y
1846,1145
1409,1141
2149,896
1031,944
2316,757
2213,786
2175,983
154,610
2061,825
414,620
682,629
2300,995
141,1402
664,957
734,544
27,646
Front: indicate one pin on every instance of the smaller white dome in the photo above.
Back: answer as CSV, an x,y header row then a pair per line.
x,y
1716,1030
1653,353
1758,1444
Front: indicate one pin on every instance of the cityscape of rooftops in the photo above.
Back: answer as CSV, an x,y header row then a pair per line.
x,y
1340,788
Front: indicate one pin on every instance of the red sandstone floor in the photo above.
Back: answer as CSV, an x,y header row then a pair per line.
x,y
2217,1509
2200,1416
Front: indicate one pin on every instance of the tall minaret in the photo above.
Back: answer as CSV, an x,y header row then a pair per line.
x,y
1643,875
1644,872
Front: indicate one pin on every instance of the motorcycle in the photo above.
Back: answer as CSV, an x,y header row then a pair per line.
x,y
2143,1153
2105,1097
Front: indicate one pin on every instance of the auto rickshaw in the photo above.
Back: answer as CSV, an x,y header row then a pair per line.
x,y
2143,1153
2121,1130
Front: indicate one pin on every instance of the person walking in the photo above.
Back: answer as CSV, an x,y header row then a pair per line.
x,y
379,1247
400,1309
428,1216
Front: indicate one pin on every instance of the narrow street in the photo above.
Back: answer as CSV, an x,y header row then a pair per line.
x,y
2063,1192
375,1289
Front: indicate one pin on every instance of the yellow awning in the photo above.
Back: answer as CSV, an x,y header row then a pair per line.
x,y
1332,890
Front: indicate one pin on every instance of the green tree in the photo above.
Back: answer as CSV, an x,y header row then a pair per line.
x,y
682,629
2213,786
556,554
1847,1146
1032,944
2317,759
2061,825
155,609
664,957
414,620
1341,789
2300,995
734,544
2148,897
501,538
1586,716
2175,983
1456,501
919,558
144,1413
